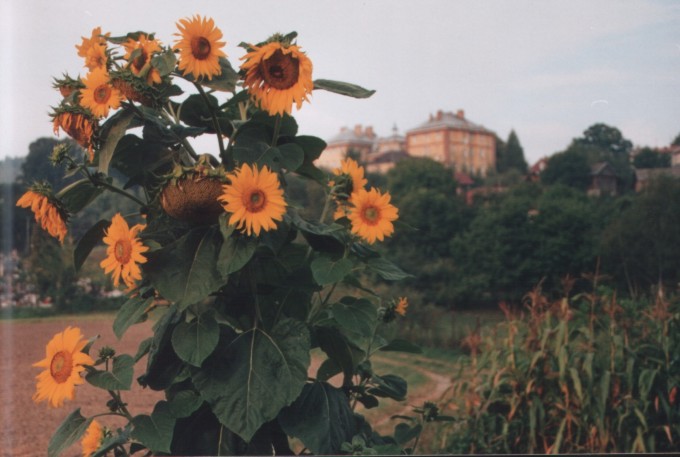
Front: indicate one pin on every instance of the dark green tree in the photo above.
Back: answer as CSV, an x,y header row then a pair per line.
x,y
649,158
37,166
420,173
605,138
676,141
570,168
511,155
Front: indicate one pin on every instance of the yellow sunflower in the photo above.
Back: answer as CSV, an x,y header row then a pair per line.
x,y
372,215
254,198
78,125
124,252
94,435
199,47
355,172
143,49
93,49
278,75
99,95
48,212
401,306
63,364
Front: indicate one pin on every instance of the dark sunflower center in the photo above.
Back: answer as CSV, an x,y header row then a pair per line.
x,y
61,366
102,93
280,71
200,47
122,251
139,61
256,201
371,215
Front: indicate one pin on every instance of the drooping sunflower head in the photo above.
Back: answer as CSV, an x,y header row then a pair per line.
x,y
254,198
49,212
199,47
277,75
138,53
94,50
67,85
63,364
124,252
99,95
350,179
78,123
133,88
93,438
372,215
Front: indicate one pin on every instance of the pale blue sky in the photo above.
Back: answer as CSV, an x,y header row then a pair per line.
x,y
548,69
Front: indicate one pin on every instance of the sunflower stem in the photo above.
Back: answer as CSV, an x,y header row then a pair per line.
x,y
223,152
277,130
99,182
172,117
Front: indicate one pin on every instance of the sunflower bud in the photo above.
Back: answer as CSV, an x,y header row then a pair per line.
x,y
59,154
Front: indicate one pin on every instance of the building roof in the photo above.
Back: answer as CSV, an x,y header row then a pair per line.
x,y
357,135
601,168
449,120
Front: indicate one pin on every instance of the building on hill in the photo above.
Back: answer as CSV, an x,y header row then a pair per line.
x,y
454,141
646,175
386,153
359,141
603,180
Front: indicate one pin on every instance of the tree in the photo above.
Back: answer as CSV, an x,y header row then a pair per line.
x,y
37,166
511,155
676,141
649,158
605,138
570,168
415,173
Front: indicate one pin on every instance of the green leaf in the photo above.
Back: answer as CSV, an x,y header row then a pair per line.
x,y
130,313
398,345
88,241
224,82
235,253
328,369
165,62
389,385
292,156
403,433
155,431
184,403
321,418
386,269
259,153
115,133
355,315
119,378
78,195
263,373
337,347
328,271
312,147
185,271
342,88
113,441
163,365
70,431
194,341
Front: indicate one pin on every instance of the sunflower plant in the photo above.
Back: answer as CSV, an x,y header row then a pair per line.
x,y
243,289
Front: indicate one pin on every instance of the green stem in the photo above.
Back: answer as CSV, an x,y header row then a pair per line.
x,y
172,117
253,286
98,182
277,130
216,124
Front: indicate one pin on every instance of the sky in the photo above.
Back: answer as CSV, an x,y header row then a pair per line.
x,y
547,69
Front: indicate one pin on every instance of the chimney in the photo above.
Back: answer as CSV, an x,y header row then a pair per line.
x,y
460,114
369,132
439,115
357,130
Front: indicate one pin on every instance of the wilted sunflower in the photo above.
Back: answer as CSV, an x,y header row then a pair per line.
x,y
254,198
63,363
372,214
99,95
138,54
93,49
78,124
124,252
48,211
278,75
199,47
355,173
94,435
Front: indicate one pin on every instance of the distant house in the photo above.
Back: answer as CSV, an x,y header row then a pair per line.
x,y
644,176
386,153
359,140
534,174
603,180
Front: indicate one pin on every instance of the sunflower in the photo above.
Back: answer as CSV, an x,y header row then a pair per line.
x,y
139,52
93,49
401,306
124,252
372,214
254,198
94,435
63,363
49,212
354,173
99,95
278,75
199,47
78,124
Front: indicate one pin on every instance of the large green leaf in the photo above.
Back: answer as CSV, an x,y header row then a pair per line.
x,y
355,315
118,378
342,88
130,313
292,156
399,345
115,133
235,253
194,341
88,241
78,195
386,269
185,271
163,365
389,385
260,374
70,431
320,417
312,147
338,348
155,431
224,82
328,271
